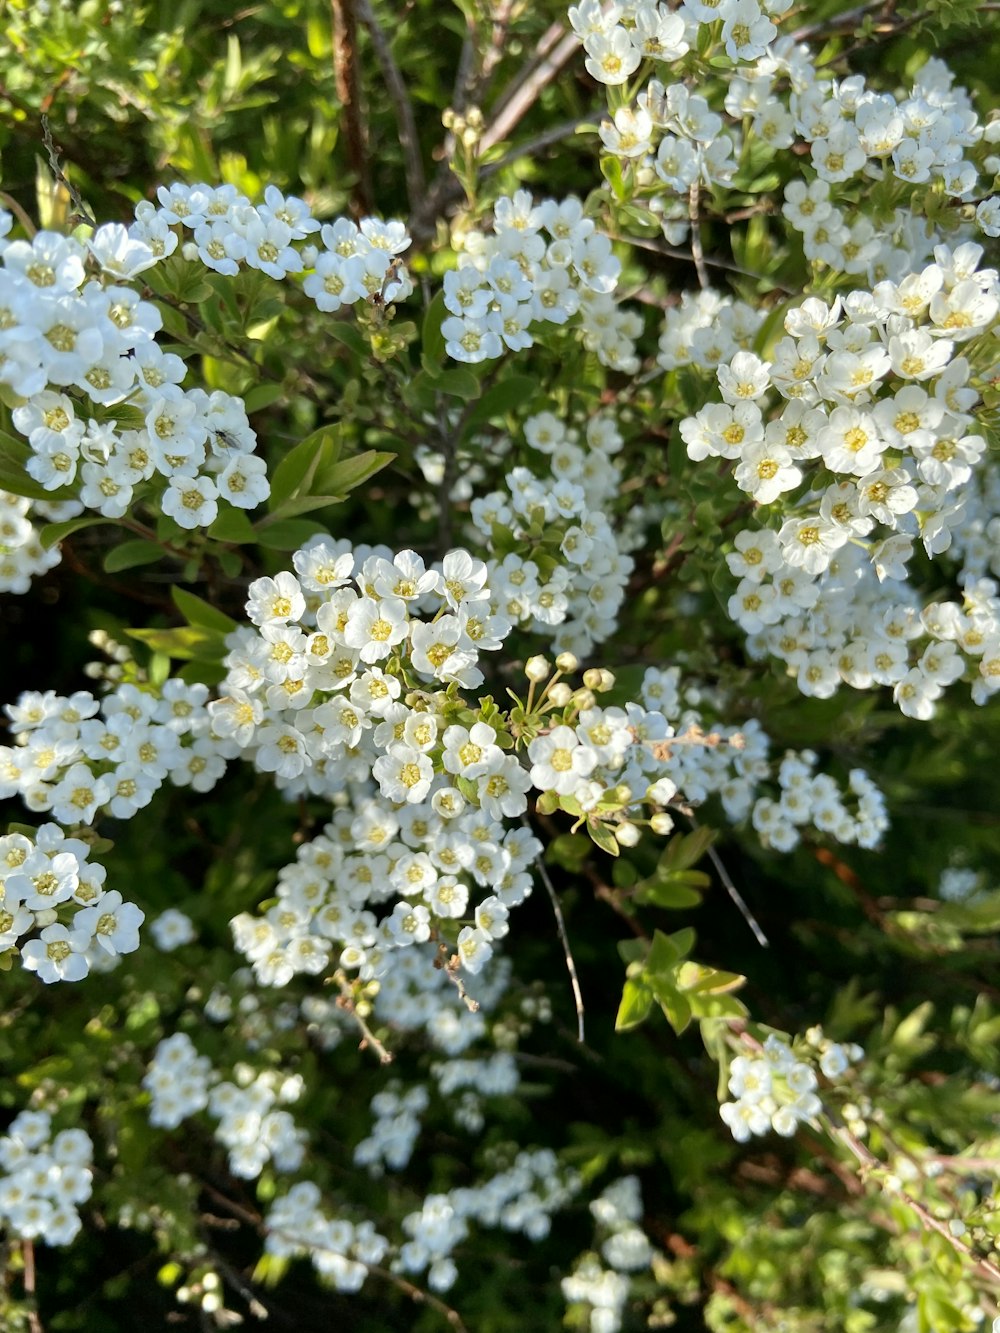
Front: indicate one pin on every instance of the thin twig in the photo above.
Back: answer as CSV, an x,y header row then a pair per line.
x,y
10,202
375,1270
345,69
550,136
870,1162
60,175
734,892
567,951
416,184
694,217
524,96
673,252
737,898
368,1038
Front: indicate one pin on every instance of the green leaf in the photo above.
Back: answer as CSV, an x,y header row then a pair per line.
x,y
350,336
636,1002
300,504
512,393
349,473
129,555
685,850
187,643
232,525
697,977
663,956
670,892
605,839
458,383
288,534
230,563
432,340
202,673
53,533
676,1009
261,396
296,470
196,611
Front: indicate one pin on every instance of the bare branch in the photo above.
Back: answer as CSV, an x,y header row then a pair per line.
x,y
55,167
345,68
416,184
567,951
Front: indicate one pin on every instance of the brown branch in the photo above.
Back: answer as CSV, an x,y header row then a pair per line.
x,y
694,217
368,1038
867,1159
526,90
416,184
28,1258
345,69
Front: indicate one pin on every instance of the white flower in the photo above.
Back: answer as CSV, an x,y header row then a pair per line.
x,y
114,924
403,774
192,502
58,955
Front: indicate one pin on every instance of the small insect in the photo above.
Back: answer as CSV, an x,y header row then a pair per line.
x,y
225,440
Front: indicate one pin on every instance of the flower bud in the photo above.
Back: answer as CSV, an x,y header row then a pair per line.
x,y
661,823
560,694
568,662
626,835
537,669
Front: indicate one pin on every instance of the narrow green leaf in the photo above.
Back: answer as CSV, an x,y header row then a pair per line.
x,y
232,525
512,393
196,611
458,383
296,470
129,555
605,839
300,504
261,396
432,340
187,643
684,850
348,473
53,533
288,534
350,336
668,893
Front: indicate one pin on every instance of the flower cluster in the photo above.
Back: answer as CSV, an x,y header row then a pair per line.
x,y
395,1128
518,277
250,1121
870,450
568,583
519,1198
22,555
777,1089
49,884
102,404
45,1178
340,1251
709,758
602,1292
